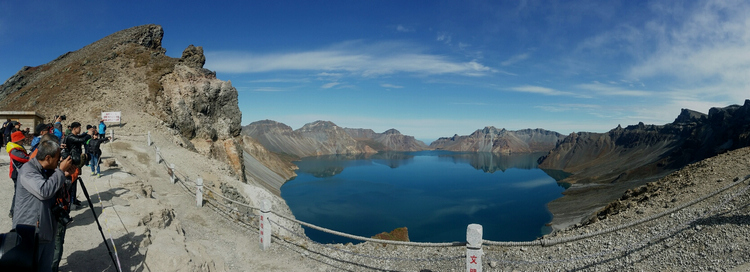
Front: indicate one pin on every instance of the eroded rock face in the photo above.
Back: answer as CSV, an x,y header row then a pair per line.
x,y
491,139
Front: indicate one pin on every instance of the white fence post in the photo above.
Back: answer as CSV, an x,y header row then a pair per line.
x,y
199,192
474,248
172,177
112,135
158,156
265,227
149,139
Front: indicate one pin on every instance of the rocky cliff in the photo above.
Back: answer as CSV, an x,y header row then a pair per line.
x,y
313,139
491,139
644,151
389,140
129,72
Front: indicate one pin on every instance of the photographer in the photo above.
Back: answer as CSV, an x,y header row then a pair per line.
x,y
73,147
39,180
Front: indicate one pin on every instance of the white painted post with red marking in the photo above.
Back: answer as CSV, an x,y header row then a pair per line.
x,y
265,226
199,192
474,248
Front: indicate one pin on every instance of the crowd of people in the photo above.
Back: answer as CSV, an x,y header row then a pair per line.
x,y
46,178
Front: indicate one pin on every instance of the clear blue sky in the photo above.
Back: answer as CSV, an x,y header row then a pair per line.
x,y
430,68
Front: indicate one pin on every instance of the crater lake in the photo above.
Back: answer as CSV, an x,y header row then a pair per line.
x,y
435,194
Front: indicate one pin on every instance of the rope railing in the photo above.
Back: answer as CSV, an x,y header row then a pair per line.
x,y
361,238
184,179
305,238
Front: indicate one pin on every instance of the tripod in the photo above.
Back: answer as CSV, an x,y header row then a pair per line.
x,y
91,205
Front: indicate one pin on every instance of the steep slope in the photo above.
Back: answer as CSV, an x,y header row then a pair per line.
x,y
490,139
605,165
129,72
643,151
389,140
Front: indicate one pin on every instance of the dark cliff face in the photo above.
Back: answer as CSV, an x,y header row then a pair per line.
x,y
491,139
129,72
643,151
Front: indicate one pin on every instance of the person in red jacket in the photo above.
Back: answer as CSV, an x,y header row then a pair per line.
x,y
18,157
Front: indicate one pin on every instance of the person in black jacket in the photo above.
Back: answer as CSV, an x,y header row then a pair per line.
x,y
95,150
73,148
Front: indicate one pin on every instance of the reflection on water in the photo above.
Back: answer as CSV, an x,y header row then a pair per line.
x,y
435,194
491,162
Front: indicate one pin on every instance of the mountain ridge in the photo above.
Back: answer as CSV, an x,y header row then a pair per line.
x,y
491,139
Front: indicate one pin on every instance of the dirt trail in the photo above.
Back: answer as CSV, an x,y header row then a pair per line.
x,y
156,225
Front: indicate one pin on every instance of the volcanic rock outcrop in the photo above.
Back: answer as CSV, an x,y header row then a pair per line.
x,y
491,139
129,72
390,140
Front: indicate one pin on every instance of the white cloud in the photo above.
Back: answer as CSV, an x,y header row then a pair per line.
x,y
604,89
326,74
278,80
444,37
540,90
386,85
329,85
260,89
353,57
515,59
401,28
706,54
568,107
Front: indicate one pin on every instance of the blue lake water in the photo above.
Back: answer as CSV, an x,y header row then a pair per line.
x,y
435,194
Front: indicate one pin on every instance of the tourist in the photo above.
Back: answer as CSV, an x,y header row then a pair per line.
x,y
39,180
96,153
102,129
18,157
39,131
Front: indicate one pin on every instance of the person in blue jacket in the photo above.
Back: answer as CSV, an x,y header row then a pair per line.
x,y
102,129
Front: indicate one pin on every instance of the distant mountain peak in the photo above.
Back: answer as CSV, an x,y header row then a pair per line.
x,y
392,131
687,115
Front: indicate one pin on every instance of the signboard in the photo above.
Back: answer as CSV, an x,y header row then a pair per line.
x,y
113,116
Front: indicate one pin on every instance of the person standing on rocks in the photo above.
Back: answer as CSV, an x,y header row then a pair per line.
x,y
39,180
18,157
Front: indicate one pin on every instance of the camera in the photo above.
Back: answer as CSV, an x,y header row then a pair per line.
x,y
63,216
62,117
